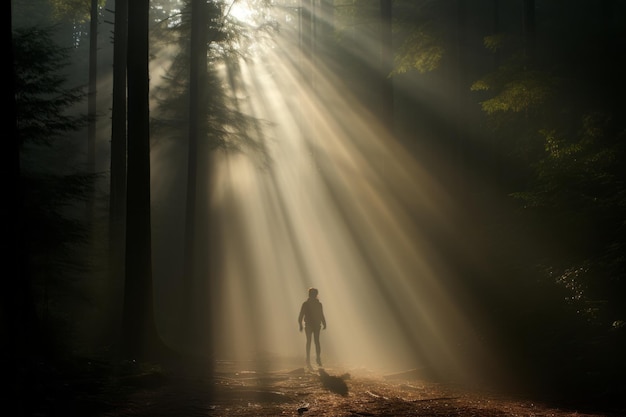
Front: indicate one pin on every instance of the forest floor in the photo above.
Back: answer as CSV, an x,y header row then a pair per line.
x,y
288,392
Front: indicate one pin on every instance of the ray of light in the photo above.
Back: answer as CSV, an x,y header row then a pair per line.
x,y
344,208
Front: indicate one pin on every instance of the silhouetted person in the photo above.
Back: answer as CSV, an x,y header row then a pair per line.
x,y
313,315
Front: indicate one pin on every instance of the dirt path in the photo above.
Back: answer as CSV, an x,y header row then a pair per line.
x,y
302,393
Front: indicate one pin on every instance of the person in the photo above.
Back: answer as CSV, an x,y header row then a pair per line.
x,y
313,315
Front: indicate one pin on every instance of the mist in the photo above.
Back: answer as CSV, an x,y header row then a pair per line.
x,y
454,194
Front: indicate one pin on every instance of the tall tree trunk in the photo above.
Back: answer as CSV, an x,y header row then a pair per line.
x,y
325,32
140,337
386,41
306,38
497,145
198,110
91,96
496,30
117,196
529,31
18,319
461,94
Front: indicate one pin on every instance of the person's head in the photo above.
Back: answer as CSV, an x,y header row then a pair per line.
x,y
313,292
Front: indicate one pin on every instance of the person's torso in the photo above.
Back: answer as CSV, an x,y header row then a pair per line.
x,y
313,312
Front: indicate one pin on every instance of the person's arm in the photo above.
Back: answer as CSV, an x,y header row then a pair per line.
x,y
301,316
323,318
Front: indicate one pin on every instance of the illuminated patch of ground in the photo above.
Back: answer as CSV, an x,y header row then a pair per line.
x,y
294,392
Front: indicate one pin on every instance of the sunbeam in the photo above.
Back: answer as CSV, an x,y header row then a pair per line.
x,y
344,208
315,207
241,11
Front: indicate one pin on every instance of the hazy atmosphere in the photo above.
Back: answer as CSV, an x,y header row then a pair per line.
x,y
447,174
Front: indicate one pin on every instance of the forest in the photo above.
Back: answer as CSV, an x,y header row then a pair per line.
x,y
448,173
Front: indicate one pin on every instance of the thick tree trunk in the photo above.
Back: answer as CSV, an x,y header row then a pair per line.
x,y
198,110
529,31
117,197
461,96
140,337
18,319
496,30
91,96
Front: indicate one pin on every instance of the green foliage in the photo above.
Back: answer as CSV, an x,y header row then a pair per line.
x,y
350,13
228,128
517,96
42,95
495,43
50,198
515,89
559,127
423,31
422,50
78,11
577,194
583,162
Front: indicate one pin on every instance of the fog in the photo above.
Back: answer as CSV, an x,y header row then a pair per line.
x,y
334,202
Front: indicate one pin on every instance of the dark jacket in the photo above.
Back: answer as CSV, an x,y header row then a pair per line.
x,y
312,313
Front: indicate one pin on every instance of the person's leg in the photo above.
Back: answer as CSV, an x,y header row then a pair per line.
x,y
308,331
318,346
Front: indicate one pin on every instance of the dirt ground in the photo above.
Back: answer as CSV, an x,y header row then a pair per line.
x,y
301,392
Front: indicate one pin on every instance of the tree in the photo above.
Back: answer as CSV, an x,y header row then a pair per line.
x,y
193,99
529,31
307,41
551,104
386,40
45,237
17,322
117,193
140,334
93,74
78,11
326,30
461,94
198,113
